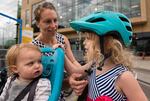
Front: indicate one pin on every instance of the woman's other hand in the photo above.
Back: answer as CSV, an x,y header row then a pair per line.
x,y
76,84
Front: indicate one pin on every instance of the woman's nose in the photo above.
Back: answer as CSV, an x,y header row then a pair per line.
x,y
53,24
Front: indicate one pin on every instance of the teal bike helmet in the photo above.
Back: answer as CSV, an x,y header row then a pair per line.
x,y
104,23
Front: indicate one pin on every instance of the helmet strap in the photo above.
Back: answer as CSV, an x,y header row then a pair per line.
x,y
101,64
106,55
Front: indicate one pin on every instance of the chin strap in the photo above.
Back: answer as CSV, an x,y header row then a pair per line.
x,y
101,64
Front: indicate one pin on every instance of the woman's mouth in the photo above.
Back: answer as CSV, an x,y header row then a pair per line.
x,y
50,30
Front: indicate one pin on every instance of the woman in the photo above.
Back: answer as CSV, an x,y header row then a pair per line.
x,y
47,21
110,78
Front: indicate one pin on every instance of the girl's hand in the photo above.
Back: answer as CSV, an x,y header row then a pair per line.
x,y
76,84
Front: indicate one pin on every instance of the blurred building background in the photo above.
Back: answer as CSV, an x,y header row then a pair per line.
x,y
69,10
9,11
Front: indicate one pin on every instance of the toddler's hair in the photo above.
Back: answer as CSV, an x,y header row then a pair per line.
x,y
13,52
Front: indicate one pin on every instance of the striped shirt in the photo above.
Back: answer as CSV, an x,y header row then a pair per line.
x,y
42,91
104,84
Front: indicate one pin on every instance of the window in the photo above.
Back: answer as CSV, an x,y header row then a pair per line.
x,y
75,9
27,17
34,6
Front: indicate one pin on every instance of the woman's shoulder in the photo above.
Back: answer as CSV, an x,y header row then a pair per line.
x,y
59,35
61,38
37,43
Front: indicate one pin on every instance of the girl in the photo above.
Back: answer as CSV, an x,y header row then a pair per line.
x,y
110,77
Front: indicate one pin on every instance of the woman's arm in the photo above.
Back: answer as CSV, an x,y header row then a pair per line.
x,y
72,68
71,64
69,53
130,87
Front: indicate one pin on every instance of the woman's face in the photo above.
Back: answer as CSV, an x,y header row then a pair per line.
x,y
48,23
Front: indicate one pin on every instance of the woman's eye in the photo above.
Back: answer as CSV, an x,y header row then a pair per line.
x,y
55,20
48,21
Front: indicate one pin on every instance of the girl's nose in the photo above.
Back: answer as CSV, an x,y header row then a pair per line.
x,y
84,42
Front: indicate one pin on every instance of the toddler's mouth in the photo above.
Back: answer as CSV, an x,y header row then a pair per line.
x,y
37,73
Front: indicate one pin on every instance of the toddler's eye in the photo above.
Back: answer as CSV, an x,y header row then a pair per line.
x,y
30,63
39,61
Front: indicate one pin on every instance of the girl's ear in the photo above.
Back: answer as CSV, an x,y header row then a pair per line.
x,y
14,69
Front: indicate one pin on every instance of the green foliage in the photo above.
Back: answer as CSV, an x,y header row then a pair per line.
x,y
9,43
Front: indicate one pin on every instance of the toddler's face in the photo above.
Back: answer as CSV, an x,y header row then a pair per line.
x,y
28,64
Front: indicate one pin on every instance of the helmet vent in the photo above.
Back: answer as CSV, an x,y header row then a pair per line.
x,y
129,28
96,20
124,19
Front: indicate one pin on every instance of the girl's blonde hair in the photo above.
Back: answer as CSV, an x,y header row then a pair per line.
x,y
119,54
13,52
96,53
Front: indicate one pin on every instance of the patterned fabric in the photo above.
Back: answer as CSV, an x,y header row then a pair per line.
x,y
101,98
104,84
60,40
42,92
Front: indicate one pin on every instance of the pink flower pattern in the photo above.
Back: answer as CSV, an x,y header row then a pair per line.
x,y
100,98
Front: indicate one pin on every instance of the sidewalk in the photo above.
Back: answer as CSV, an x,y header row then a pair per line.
x,y
142,64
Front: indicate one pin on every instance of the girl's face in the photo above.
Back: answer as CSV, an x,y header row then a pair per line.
x,y
88,45
28,65
48,23
90,49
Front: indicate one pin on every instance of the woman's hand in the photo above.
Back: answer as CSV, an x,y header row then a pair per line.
x,y
76,84
59,45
